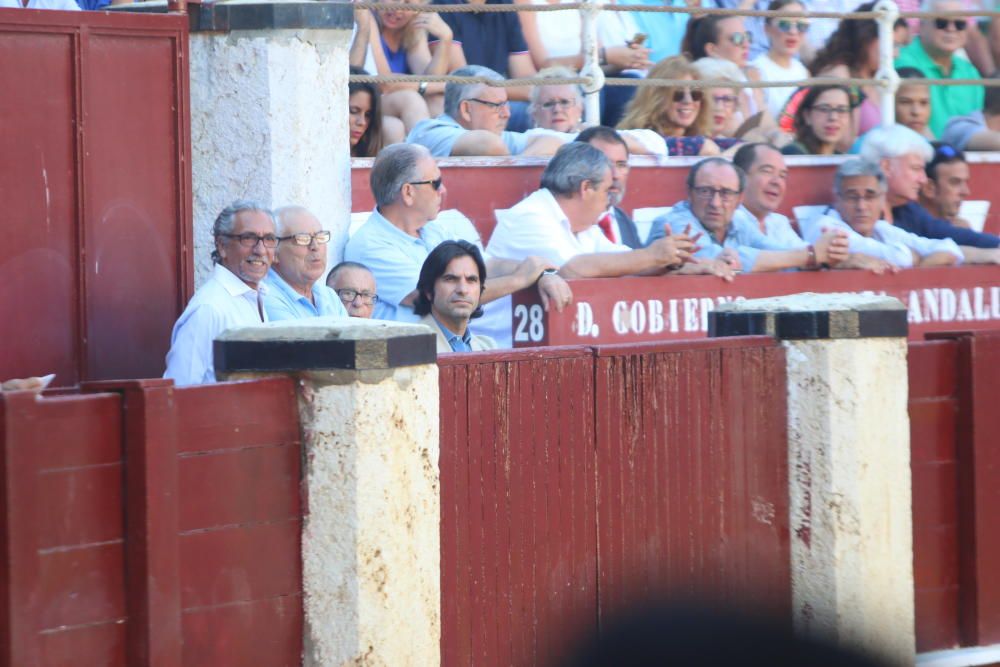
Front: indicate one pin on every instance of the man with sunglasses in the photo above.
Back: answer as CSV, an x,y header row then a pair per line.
x,y
935,53
474,122
293,290
405,226
245,240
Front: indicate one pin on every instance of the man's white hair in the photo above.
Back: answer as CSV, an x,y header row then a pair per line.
x,y
883,143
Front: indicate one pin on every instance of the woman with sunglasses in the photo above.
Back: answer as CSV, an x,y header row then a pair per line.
x,y
678,114
727,38
781,62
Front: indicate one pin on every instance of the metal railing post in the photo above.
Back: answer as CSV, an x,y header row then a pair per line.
x,y
886,69
591,62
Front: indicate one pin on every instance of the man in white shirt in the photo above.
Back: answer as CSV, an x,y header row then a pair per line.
x,y
408,189
559,222
859,188
767,179
245,240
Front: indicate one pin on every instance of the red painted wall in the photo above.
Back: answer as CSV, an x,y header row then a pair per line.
x,y
95,180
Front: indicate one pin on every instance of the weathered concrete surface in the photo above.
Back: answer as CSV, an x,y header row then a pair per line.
x,y
849,472
371,543
269,122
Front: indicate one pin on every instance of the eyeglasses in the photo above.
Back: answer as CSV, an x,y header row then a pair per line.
x,y
495,106
868,197
724,100
560,104
708,193
802,27
942,24
436,183
740,38
349,295
321,238
680,95
829,111
250,240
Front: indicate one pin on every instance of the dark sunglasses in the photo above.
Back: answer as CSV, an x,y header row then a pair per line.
x,y
436,183
786,26
942,24
740,38
695,95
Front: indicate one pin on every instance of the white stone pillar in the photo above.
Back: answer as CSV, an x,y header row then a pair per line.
x,y
368,404
269,113
848,464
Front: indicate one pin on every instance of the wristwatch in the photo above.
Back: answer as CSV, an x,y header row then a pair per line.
x,y
547,272
422,88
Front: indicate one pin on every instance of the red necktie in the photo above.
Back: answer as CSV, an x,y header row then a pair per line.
x,y
605,224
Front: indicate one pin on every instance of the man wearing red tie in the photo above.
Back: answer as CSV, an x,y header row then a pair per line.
x,y
616,225
560,223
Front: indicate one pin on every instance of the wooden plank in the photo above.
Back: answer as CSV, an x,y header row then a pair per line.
x,y
239,486
237,415
102,644
246,634
81,506
979,487
81,586
240,563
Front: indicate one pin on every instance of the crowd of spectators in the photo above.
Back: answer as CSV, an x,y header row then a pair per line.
x,y
677,46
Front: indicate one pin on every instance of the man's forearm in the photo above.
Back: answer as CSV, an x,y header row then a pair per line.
x,y
779,260
938,259
610,264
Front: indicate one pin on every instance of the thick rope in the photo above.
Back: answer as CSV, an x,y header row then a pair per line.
x,y
656,83
706,11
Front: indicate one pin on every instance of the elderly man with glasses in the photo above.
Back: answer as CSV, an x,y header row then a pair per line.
x,y
935,53
859,193
245,240
474,122
393,243
299,263
354,283
715,191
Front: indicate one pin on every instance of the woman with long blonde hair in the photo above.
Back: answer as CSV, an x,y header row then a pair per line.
x,y
679,113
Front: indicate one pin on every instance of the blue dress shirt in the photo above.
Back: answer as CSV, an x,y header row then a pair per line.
x,y
282,302
395,258
223,302
458,343
743,235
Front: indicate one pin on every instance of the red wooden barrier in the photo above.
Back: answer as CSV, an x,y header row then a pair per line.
x,y
933,408
692,474
574,483
160,527
518,540
95,179
956,489
629,310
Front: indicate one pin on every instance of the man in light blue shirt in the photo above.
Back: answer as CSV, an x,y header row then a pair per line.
x,y
875,244
474,122
767,180
407,187
715,191
294,290
245,240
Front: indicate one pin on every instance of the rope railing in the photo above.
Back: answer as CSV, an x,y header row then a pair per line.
x,y
592,78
